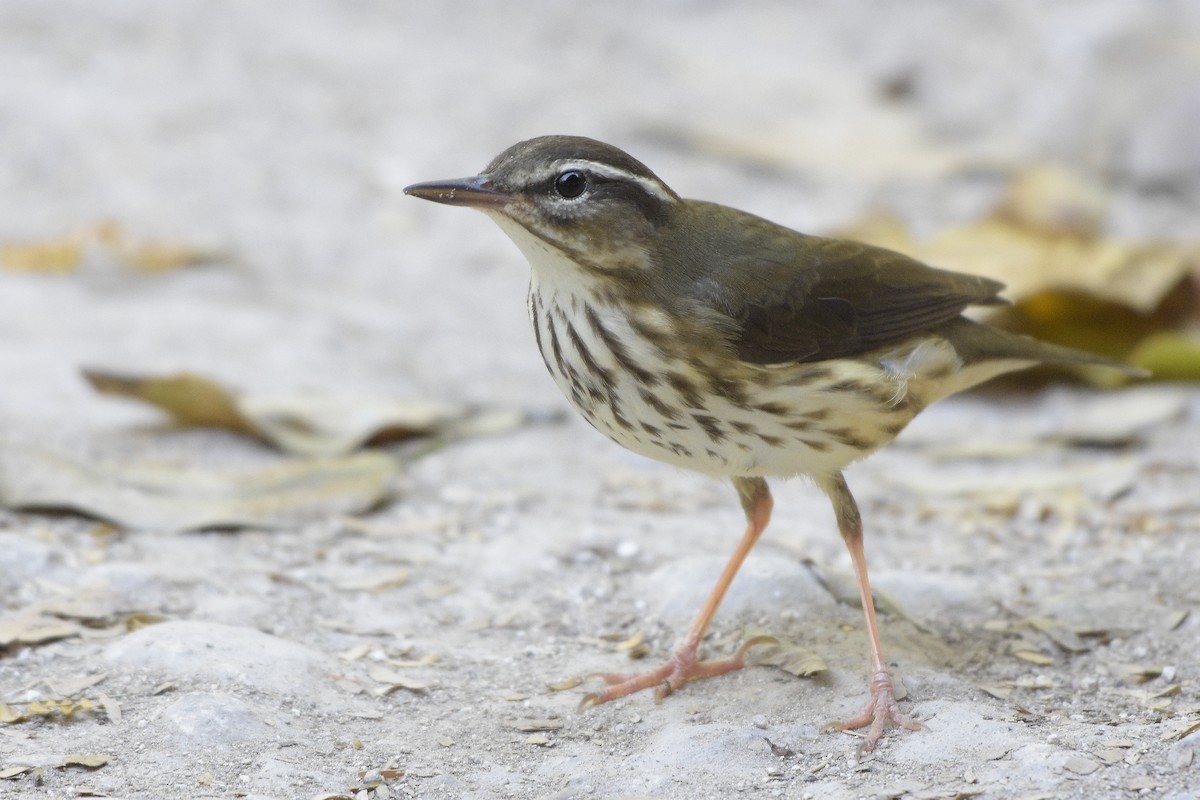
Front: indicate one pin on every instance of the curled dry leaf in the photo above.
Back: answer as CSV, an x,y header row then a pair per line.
x,y
303,424
176,499
787,656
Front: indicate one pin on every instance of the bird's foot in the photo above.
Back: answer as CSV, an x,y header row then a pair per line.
x,y
685,666
879,714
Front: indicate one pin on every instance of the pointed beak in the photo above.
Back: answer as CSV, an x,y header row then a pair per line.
x,y
477,192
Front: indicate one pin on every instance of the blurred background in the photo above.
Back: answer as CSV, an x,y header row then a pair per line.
x,y
216,186
270,141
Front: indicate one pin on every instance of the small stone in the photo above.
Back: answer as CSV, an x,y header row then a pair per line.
x,y
759,721
628,549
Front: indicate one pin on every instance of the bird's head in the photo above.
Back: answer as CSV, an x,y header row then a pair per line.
x,y
588,200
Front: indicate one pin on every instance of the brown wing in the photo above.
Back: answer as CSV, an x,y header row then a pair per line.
x,y
793,297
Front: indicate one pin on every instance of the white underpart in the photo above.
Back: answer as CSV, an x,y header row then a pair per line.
x,y
825,428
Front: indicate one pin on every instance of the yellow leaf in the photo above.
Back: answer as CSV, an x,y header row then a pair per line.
x,y
63,256
189,399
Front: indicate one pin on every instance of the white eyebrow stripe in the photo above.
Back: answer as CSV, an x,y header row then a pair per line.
x,y
652,187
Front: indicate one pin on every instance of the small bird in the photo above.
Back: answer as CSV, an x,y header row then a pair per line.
x,y
714,340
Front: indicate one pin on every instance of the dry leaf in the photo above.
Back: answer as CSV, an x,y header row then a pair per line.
x,y
526,725
394,680
997,691
85,761
176,499
789,657
34,628
1063,636
355,653
539,739
1180,730
72,686
1139,673
380,582
1034,657
303,424
423,661
8,773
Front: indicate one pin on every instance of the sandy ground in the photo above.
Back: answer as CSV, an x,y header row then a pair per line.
x,y
1045,621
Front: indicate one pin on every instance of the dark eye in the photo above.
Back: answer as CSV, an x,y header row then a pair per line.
x,y
570,184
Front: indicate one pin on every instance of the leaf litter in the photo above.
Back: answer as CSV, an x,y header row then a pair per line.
x,y
1070,281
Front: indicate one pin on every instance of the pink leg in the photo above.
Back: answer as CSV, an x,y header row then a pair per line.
x,y
685,665
882,709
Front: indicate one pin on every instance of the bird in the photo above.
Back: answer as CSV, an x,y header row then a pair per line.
x,y
717,341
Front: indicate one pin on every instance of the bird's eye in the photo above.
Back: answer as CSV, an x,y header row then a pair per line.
x,y
570,184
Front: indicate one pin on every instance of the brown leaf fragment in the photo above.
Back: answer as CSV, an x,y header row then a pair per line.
x,y
308,424
8,773
9,715
789,657
85,761
394,680
1139,673
527,725
189,399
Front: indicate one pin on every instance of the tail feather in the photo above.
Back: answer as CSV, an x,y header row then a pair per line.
x,y
976,343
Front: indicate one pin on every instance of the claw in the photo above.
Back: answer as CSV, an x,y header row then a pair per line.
x,y
881,713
